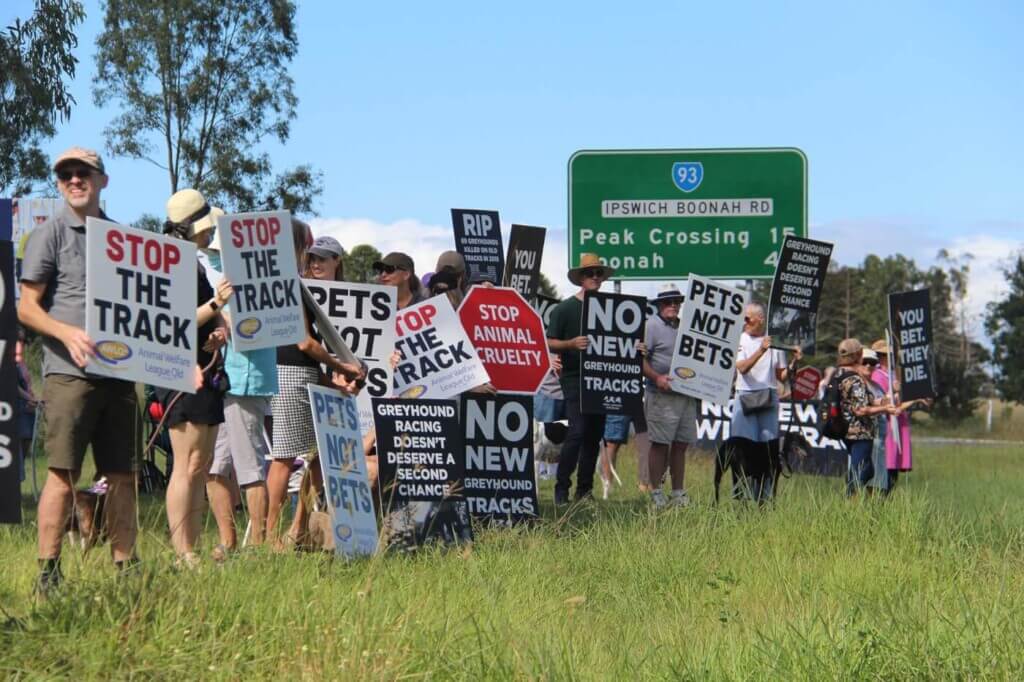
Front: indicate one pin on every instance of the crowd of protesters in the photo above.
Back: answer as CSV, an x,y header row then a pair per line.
x,y
251,407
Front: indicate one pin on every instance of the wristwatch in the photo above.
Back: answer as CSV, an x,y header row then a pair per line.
x,y
214,306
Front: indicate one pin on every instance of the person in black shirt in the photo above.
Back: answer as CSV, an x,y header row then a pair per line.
x,y
193,419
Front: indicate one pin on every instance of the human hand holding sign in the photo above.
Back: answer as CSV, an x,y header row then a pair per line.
x,y
664,382
80,346
224,292
579,343
217,338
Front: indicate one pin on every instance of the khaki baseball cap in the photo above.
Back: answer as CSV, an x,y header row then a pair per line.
x,y
453,260
82,155
849,349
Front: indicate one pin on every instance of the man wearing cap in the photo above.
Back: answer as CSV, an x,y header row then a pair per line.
x,y
397,270
859,409
81,410
565,338
671,416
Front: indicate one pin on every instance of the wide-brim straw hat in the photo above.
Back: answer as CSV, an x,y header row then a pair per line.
x,y
589,260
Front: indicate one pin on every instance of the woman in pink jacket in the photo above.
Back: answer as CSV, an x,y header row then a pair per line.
x,y
897,456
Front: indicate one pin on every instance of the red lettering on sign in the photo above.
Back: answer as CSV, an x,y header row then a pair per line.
x,y
248,232
156,256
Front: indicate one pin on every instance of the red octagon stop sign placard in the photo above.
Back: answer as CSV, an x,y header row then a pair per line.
x,y
805,384
509,338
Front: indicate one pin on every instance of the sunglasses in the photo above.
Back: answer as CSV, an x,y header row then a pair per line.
x,y
592,272
386,269
82,173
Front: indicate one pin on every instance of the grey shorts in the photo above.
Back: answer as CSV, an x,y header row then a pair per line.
x,y
241,443
671,417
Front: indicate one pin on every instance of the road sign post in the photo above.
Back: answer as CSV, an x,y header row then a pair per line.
x,y
663,214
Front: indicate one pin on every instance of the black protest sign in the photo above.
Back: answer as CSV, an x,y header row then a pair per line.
x,y
611,376
796,291
544,305
500,482
421,460
910,315
811,451
419,449
10,445
522,267
478,239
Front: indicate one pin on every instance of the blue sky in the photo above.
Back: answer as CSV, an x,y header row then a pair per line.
x,y
909,113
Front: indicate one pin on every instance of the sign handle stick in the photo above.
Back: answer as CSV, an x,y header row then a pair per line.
x,y
894,427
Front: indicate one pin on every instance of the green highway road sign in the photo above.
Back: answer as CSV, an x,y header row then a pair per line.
x,y
666,213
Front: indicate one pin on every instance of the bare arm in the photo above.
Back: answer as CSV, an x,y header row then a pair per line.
x,y
746,364
560,346
32,315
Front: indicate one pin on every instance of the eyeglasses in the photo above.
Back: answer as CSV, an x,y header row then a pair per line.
x,y
748,320
592,272
82,173
674,302
384,268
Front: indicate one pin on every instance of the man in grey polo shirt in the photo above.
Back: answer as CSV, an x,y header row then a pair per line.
x,y
671,416
81,410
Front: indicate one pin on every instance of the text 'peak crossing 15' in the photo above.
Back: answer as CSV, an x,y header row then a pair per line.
x,y
662,214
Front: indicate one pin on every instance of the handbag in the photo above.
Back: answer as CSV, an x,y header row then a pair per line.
x,y
753,402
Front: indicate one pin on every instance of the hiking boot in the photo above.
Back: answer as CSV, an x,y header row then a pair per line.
x,y
49,580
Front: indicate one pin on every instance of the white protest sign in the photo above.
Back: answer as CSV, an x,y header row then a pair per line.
x,y
710,324
438,359
364,316
259,260
141,291
336,423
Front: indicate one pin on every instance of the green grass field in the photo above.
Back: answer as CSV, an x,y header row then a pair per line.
x,y
928,584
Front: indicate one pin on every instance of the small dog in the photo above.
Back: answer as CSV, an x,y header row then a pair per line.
x,y
86,526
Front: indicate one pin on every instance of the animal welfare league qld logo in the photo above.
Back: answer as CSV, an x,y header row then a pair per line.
x,y
687,175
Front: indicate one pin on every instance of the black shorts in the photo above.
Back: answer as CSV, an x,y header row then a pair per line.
x,y
203,407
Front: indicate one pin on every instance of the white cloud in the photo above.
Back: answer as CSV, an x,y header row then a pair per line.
x,y
987,283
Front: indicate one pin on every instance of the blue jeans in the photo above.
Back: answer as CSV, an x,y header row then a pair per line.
x,y
861,468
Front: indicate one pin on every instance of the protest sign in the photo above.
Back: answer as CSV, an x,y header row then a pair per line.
x,y
910,316
509,338
544,305
710,324
421,464
259,260
438,359
7,220
805,383
814,452
796,290
500,482
364,317
478,239
611,376
343,464
141,291
10,443
522,267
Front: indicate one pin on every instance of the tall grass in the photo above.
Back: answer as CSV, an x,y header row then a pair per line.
x,y
924,585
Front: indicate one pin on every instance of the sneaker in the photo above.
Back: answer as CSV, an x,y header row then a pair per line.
x,y
658,499
680,498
